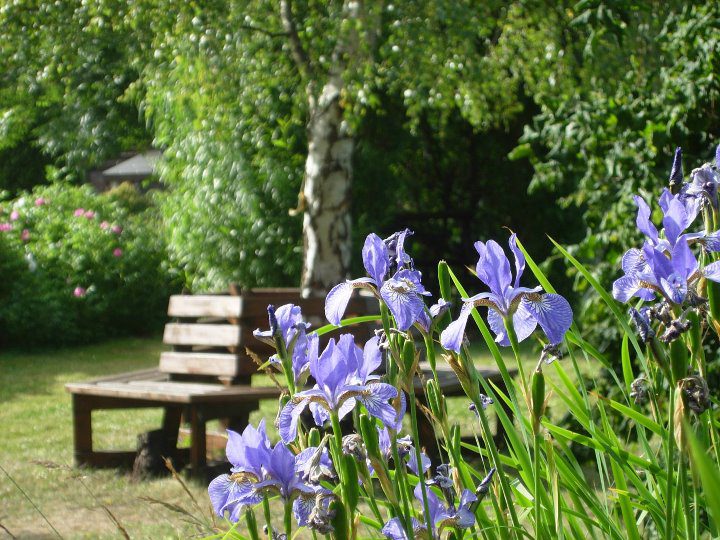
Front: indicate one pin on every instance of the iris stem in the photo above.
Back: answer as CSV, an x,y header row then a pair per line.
x,y
339,461
370,490
536,473
251,524
288,519
418,456
401,482
669,465
497,463
266,512
512,336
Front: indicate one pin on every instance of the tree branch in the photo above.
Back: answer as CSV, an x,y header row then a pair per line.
x,y
300,56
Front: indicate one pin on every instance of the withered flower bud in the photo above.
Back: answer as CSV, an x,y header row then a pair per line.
x,y
352,445
675,330
639,391
321,516
550,352
696,393
642,324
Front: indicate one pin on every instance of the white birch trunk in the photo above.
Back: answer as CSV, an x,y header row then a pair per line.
x,y
328,178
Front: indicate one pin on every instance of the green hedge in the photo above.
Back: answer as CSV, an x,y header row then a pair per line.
x,y
79,267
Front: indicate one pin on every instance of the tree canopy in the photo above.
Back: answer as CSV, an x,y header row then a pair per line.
x,y
454,110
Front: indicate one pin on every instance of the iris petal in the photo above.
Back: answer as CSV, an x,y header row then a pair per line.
x,y
394,530
643,219
402,299
302,507
337,299
375,257
626,287
553,314
451,338
712,271
288,419
376,402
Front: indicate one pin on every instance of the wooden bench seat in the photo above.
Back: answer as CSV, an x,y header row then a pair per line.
x,y
155,385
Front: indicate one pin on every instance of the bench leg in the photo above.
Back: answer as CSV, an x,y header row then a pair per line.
x,y
198,451
82,430
171,425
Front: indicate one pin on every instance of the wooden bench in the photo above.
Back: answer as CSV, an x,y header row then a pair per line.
x,y
206,376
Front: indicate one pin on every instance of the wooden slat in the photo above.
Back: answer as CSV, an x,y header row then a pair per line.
x,y
126,392
220,335
197,363
177,392
223,306
171,387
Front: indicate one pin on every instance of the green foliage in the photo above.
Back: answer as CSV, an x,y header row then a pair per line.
x,y
80,267
65,69
642,83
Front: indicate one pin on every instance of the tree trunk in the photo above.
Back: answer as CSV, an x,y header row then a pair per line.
x,y
328,178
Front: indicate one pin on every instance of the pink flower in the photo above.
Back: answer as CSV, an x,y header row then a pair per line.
x,y
15,215
117,252
104,225
80,212
79,292
40,201
6,227
89,214
117,229
25,235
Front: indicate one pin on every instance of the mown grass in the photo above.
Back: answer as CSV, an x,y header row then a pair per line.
x,y
36,420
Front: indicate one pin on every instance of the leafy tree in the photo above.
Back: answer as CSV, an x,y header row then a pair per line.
x,y
643,82
273,84
65,71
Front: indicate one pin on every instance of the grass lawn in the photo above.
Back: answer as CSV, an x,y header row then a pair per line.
x,y
35,414
36,420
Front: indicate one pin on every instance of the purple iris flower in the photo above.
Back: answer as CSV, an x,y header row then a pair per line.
x,y
247,453
508,301
441,516
704,184
343,375
392,277
679,212
286,322
258,470
665,265
649,272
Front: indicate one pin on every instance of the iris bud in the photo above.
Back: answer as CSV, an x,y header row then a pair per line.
x,y
538,398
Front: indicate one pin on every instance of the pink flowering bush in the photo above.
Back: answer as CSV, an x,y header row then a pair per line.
x,y
78,266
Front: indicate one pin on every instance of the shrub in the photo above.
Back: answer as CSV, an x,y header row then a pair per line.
x,y
81,267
